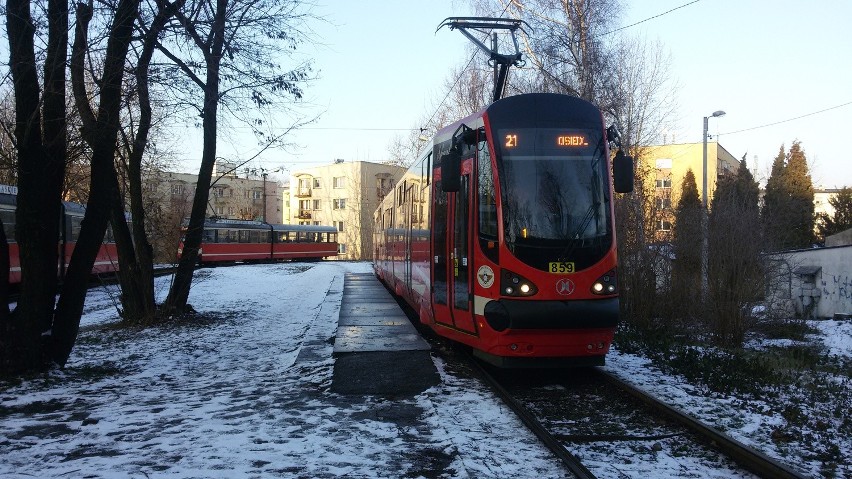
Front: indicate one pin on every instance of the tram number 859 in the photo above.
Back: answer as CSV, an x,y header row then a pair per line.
x,y
561,267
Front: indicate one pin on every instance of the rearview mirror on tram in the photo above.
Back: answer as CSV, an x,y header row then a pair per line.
x,y
451,171
622,172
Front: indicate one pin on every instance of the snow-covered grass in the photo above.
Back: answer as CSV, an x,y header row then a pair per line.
x,y
244,391
790,398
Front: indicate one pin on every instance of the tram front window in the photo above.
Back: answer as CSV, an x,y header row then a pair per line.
x,y
555,196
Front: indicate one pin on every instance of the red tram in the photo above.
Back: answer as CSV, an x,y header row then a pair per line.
x,y
69,230
501,236
236,240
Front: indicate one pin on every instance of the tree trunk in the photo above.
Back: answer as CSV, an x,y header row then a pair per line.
x,y
179,294
40,164
102,138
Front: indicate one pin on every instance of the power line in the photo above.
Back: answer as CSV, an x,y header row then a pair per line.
x,y
601,35
649,18
789,119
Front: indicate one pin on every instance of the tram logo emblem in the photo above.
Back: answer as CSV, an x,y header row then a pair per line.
x,y
565,287
485,276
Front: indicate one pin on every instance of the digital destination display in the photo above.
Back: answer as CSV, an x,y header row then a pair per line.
x,y
571,140
544,140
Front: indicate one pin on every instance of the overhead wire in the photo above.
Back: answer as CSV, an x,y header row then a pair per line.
x,y
649,18
789,119
601,35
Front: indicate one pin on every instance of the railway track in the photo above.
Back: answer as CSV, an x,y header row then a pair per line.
x,y
699,444
747,457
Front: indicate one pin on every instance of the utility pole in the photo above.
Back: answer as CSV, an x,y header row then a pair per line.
x,y
264,174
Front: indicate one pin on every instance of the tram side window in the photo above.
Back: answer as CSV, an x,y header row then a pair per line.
x,y
8,218
209,236
75,228
231,236
332,238
487,200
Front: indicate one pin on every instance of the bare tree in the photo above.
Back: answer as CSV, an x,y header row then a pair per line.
x,y
39,138
229,50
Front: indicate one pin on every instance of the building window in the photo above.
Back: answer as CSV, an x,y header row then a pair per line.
x,y
664,183
340,203
339,181
338,225
256,194
317,183
317,204
220,210
664,203
341,248
230,211
218,192
177,189
664,225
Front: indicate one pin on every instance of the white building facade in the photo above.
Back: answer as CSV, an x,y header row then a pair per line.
x,y
344,195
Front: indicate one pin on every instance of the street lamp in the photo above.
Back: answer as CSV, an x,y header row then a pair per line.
x,y
704,176
704,220
264,174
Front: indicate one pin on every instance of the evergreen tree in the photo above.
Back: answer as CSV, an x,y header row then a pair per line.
x,y
788,210
686,242
774,203
841,220
735,272
800,190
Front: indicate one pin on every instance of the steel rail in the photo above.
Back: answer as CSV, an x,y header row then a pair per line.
x,y
569,460
746,456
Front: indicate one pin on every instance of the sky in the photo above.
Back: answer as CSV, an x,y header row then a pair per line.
x,y
382,66
246,392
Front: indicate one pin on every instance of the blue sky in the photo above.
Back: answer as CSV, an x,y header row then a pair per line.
x,y
383,67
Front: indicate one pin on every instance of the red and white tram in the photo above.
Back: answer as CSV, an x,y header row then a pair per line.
x,y
235,240
501,236
69,230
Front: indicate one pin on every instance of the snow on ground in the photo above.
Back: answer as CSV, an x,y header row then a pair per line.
x,y
246,393
240,395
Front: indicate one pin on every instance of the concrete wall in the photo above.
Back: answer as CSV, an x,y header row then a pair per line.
x,y
814,283
844,238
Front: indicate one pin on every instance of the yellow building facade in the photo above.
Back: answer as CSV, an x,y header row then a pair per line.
x,y
664,168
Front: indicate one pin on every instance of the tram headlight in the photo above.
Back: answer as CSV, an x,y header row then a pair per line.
x,y
606,284
513,284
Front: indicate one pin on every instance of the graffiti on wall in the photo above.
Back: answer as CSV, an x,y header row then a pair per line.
x,y
837,287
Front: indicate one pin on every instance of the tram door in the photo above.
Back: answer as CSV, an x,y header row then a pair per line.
x,y
452,255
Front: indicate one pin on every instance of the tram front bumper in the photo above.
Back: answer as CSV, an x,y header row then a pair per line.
x,y
506,314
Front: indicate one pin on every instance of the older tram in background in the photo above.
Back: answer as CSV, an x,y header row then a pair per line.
x,y
69,230
501,236
227,240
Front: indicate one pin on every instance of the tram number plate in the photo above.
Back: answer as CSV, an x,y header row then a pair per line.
x,y
560,267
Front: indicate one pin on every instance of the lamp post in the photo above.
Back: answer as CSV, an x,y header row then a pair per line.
x,y
704,220
264,174
704,175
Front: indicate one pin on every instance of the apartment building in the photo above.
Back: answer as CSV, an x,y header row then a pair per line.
x,y
235,194
665,167
344,194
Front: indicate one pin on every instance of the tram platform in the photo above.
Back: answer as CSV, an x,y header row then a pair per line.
x,y
376,349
